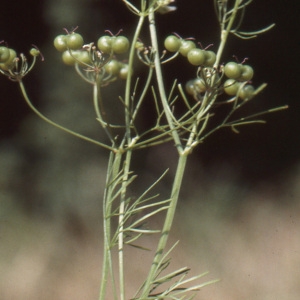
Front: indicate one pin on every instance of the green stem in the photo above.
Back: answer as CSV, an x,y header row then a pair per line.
x,y
225,32
160,81
180,166
78,135
128,121
112,172
99,110
97,100
129,77
167,225
143,95
121,224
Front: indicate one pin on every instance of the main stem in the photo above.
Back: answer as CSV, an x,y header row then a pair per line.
x,y
167,225
126,169
112,172
180,166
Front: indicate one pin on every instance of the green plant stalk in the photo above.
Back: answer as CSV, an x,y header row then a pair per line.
x,y
96,96
127,161
129,77
142,96
180,166
113,169
167,224
225,32
223,40
78,135
126,170
116,168
99,110
160,82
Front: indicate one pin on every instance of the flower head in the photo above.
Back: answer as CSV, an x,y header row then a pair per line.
x,y
16,67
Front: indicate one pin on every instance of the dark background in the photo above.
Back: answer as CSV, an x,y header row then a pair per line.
x,y
259,152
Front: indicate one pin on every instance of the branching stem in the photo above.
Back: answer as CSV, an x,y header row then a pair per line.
x,y
78,135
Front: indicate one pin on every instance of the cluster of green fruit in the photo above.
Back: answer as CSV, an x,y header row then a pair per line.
x,y
187,48
75,52
16,67
238,76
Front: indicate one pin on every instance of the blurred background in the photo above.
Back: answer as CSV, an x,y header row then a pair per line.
x,y
240,207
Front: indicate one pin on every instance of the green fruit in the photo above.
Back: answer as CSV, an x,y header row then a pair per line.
x,y
120,44
74,41
196,57
247,73
199,84
60,43
69,59
104,44
9,64
172,43
231,87
4,54
123,74
210,58
195,86
112,67
247,92
189,87
233,70
83,57
186,47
